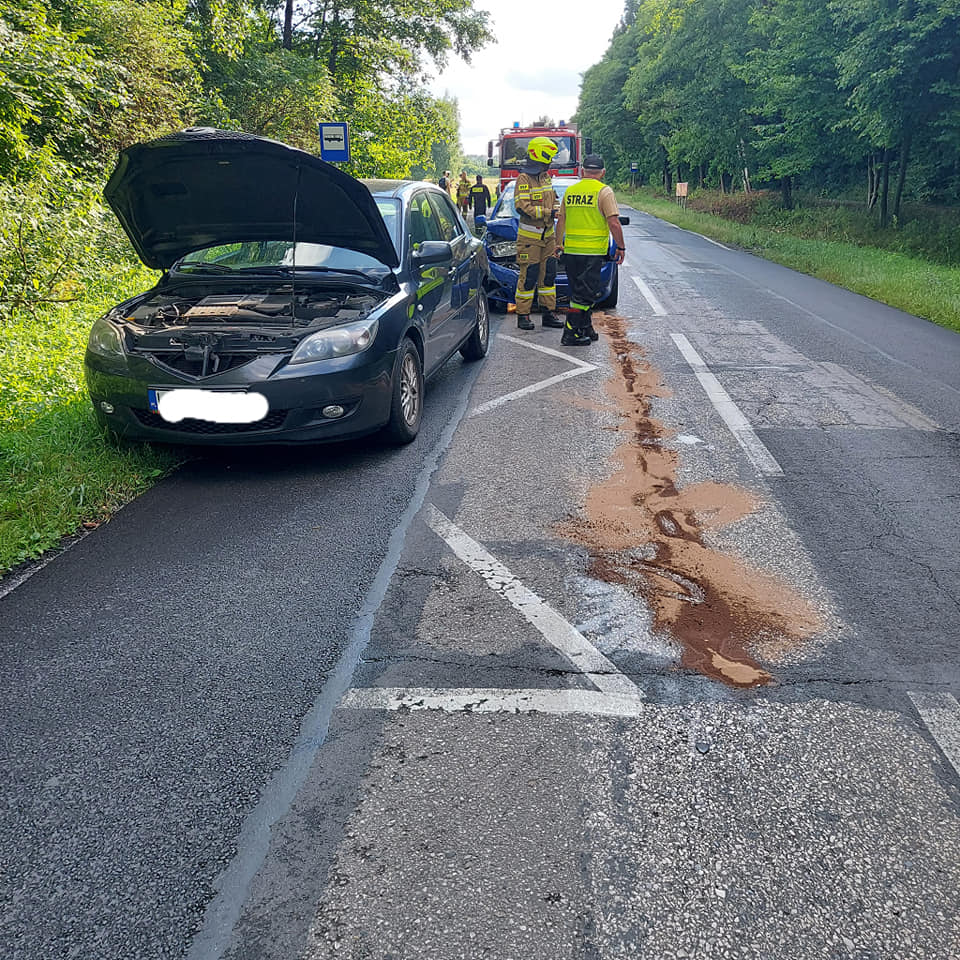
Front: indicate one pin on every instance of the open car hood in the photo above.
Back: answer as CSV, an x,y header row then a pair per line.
x,y
203,187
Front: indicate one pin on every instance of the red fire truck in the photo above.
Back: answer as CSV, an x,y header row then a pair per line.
x,y
509,153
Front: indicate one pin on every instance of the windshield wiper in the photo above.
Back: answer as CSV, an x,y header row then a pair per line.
x,y
301,268
217,268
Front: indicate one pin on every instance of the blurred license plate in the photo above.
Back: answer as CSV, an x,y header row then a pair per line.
x,y
216,406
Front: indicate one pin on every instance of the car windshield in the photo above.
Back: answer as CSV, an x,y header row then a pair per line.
x,y
513,150
507,208
272,254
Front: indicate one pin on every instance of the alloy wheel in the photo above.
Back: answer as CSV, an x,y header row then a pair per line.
x,y
410,389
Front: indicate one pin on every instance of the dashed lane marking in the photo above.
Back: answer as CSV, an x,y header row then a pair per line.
x,y
731,414
941,714
651,298
483,700
562,635
580,367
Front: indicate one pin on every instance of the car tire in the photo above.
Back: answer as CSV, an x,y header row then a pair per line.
x,y
406,407
611,300
476,346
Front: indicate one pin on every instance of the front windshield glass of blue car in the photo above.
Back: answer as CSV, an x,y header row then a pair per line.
x,y
507,207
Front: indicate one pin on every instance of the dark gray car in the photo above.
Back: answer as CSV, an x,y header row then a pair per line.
x,y
297,303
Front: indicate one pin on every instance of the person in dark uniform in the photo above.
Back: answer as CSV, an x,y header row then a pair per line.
x,y
588,216
479,197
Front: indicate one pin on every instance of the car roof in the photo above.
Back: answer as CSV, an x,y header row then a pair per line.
x,y
398,188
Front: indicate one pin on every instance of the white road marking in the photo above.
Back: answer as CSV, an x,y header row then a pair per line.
x,y
837,326
651,298
549,351
485,700
739,426
941,714
581,366
562,635
694,233
716,243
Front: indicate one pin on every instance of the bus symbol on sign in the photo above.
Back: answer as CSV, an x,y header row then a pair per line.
x,y
334,142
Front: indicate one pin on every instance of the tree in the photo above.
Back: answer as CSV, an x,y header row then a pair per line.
x,y
899,73
791,75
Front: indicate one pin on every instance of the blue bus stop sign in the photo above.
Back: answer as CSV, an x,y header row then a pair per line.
x,y
634,167
334,142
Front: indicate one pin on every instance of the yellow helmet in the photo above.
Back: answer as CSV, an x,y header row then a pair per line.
x,y
541,149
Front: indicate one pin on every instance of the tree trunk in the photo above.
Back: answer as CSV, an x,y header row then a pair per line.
x,y
786,193
701,177
902,172
885,187
742,154
667,178
871,181
288,25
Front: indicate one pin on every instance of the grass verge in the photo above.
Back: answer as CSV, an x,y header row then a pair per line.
x,y
58,473
909,283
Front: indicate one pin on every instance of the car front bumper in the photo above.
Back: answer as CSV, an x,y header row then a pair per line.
x,y
296,394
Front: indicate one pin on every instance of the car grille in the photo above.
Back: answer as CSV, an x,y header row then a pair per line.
x,y
272,421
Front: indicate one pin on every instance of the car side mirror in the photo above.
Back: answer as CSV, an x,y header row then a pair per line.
x,y
480,220
489,161
432,252
625,221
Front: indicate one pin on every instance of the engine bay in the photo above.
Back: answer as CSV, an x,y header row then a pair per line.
x,y
199,332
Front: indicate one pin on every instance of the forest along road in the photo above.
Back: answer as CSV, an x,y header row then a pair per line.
x,y
646,650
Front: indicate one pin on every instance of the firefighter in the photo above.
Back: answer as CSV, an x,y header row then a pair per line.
x,y
463,193
479,197
588,216
536,258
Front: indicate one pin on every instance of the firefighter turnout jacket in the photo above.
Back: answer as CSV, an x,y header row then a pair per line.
x,y
535,200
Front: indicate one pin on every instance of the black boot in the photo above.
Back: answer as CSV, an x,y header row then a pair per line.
x,y
573,334
524,322
549,319
588,328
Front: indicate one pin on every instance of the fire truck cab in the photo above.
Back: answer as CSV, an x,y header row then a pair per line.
x,y
509,153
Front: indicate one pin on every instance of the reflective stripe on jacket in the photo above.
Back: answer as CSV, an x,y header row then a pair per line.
x,y
586,231
534,200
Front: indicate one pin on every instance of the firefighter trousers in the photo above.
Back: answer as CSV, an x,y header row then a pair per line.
x,y
538,274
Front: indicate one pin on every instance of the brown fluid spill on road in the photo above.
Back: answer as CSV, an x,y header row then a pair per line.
x,y
646,535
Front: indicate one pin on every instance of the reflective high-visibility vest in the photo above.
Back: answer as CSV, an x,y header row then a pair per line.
x,y
585,228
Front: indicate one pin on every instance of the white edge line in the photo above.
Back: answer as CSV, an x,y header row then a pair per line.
x,y
649,296
940,713
482,700
560,634
729,412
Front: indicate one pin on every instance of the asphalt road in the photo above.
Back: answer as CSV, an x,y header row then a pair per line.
x,y
645,650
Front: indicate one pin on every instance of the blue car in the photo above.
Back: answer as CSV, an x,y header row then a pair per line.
x,y
500,241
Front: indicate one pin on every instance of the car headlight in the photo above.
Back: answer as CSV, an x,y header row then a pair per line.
x,y
336,342
506,248
105,339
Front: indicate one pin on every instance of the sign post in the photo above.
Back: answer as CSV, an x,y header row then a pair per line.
x,y
334,142
682,193
634,168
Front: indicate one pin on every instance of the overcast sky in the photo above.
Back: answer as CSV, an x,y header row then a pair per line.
x,y
503,82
